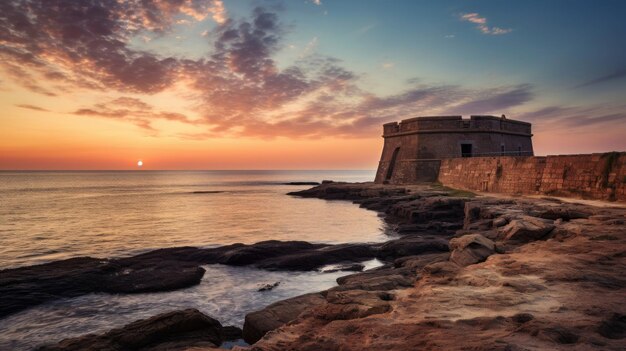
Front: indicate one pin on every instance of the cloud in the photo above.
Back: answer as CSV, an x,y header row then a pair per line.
x,y
237,89
131,110
618,74
310,47
317,2
218,12
32,107
495,100
481,24
576,117
85,42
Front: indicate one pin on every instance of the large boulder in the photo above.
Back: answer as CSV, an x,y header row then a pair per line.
x,y
470,249
28,286
526,229
163,276
264,250
176,330
258,323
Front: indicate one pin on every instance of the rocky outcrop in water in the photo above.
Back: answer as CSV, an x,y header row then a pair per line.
x,y
172,331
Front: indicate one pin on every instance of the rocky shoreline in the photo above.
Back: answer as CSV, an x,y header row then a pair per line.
x,y
514,273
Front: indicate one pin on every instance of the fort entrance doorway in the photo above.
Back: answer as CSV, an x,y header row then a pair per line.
x,y
466,150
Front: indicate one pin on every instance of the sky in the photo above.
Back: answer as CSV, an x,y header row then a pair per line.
x,y
296,84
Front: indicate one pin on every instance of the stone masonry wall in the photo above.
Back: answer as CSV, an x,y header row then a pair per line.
x,y
592,176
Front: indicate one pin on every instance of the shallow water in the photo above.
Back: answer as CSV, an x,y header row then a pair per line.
x,y
225,293
47,216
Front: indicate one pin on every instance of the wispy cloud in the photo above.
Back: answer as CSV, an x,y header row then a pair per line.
x,y
481,24
310,47
132,110
618,74
366,28
317,2
576,117
32,107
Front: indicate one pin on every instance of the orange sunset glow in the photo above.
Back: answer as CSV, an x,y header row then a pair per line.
x,y
228,85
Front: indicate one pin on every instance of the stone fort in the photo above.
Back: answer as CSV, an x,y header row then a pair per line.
x,y
493,154
414,147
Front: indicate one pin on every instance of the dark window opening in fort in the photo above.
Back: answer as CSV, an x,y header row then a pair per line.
x,y
502,152
466,150
465,124
392,163
519,150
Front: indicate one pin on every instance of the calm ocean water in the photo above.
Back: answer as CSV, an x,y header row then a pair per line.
x,y
48,216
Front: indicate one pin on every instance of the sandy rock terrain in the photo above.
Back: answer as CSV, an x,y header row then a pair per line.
x,y
523,274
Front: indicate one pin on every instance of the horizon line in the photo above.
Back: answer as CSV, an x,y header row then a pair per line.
x,y
177,170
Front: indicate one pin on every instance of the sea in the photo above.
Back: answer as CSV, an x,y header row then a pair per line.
x,y
48,216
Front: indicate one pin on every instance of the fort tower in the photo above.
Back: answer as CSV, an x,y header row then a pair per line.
x,y
414,147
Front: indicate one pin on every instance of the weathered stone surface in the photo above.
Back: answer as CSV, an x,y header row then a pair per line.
x,y
353,304
344,267
177,330
500,222
350,191
563,213
418,262
470,249
435,208
571,283
277,314
527,229
613,327
591,176
382,279
411,245
160,277
313,259
29,286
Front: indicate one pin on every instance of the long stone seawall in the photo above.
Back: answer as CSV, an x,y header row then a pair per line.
x,y
591,176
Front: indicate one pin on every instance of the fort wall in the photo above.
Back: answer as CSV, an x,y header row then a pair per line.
x,y
591,176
